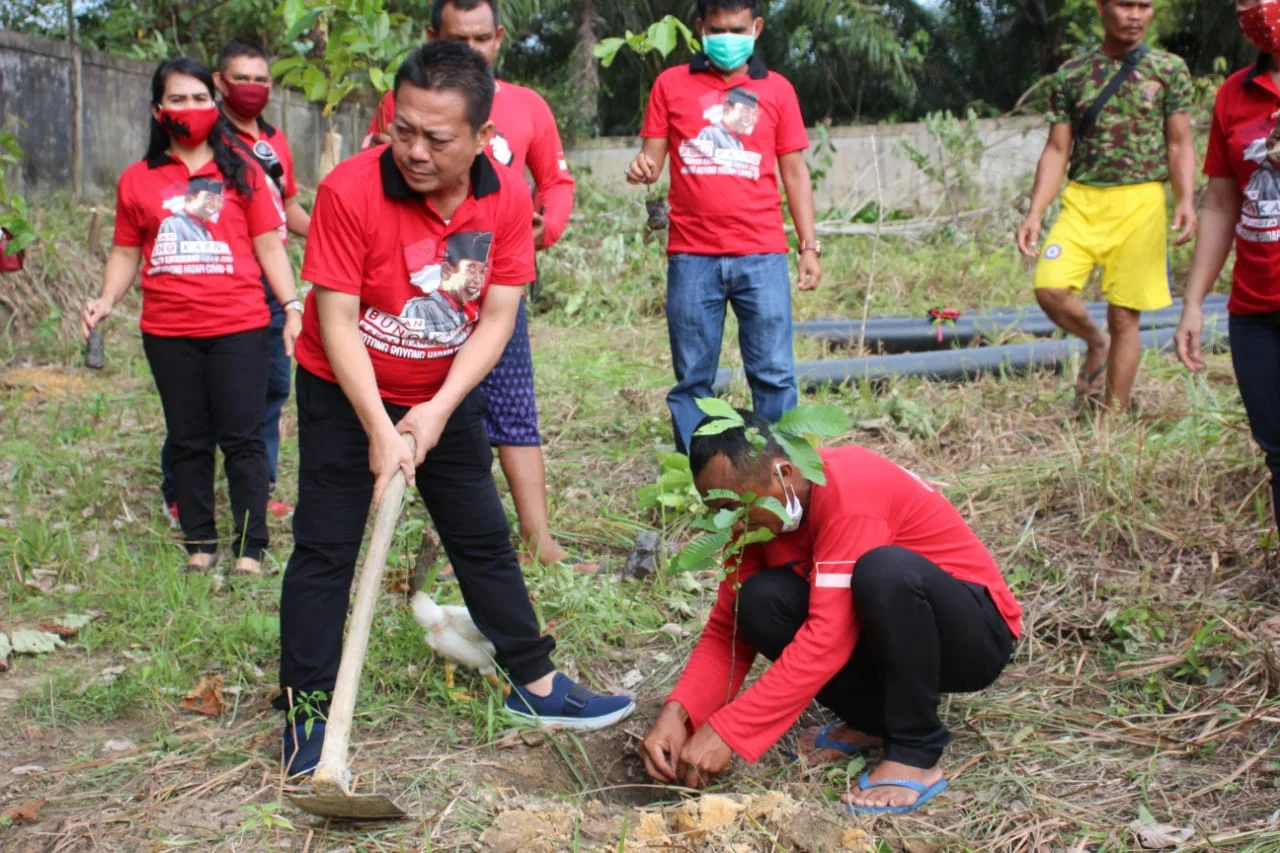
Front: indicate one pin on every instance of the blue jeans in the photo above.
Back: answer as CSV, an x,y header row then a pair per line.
x,y
279,373
1255,354
759,288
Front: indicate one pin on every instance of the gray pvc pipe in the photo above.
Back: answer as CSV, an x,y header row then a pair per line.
x,y
962,364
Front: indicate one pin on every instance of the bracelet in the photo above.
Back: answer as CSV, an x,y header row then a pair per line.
x,y
293,305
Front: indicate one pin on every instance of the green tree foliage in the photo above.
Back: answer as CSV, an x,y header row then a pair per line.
x,y
850,60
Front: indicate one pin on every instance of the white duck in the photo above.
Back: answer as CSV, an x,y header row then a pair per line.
x,y
452,635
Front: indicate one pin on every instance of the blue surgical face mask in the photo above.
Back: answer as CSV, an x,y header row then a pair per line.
x,y
728,51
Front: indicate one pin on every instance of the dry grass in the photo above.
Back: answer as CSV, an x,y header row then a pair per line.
x,y
1145,684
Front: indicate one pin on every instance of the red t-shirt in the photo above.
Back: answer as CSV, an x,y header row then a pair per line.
x,y
200,278
283,187
725,138
867,502
421,281
526,135
1242,121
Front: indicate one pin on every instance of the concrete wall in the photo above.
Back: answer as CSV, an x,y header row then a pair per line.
x,y
1012,147
35,90
35,96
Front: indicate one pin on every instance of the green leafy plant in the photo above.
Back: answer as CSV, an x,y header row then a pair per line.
x,y
795,432
308,706
954,161
15,216
342,48
662,37
651,47
263,818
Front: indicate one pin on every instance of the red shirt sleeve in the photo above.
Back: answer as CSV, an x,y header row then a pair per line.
x,y
758,718
1217,159
791,135
512,253
335,243
382,118
657,124
128,231
260,209
550,171
718,665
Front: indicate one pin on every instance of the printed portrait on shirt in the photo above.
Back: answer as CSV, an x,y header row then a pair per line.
x,y
185,242
447,312
501,149
1261,208
720,147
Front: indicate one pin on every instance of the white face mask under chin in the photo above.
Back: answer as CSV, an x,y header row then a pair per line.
x,y
795,512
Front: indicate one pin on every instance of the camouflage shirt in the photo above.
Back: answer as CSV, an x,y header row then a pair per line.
x,y
1127,143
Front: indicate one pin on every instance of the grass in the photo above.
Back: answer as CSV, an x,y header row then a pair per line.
x,y
1145,684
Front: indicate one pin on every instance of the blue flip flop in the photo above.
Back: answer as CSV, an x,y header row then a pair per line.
x,y
824,741
924,795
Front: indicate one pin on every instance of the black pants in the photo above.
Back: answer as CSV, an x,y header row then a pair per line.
x,y
335,489
921,633
212,391
1255,354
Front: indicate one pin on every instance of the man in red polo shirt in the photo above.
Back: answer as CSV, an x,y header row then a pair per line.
x,y
525,135
418,254
874,597
243,79
733,129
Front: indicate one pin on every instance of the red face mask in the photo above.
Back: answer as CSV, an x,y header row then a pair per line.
x,y
190,126
1261,25
246,100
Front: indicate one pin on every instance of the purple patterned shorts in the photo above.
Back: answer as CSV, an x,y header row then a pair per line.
x,y
512,416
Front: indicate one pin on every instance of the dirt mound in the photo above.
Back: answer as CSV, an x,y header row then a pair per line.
x,y
713,822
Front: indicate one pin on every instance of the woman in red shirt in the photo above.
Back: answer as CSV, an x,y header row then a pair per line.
x,y
199,221
1243,202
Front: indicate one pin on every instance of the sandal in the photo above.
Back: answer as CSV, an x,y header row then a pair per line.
x,y
201,562
823,740
923,795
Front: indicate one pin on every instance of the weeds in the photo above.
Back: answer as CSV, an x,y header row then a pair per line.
x,y
1146,677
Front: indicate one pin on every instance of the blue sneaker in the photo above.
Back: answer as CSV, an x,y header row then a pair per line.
x,y
302,752
569,706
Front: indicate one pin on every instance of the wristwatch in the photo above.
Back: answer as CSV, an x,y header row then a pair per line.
x,y
810,245
293,305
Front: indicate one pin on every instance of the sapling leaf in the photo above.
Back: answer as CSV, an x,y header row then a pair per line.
x,y
773,505
803,456
701,553
821,420
727,518
606,50
717,426
723,495
717,408
756,535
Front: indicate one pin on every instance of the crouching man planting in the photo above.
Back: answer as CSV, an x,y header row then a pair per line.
x,y
873,597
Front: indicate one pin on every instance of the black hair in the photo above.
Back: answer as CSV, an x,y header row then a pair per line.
x,y
230,164
203,183
705,6
734,444
442,65
236,48
437,10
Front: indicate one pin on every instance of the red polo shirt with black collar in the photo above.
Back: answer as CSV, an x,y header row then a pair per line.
x,y
421,280
200,276
1244,117
725,138
269,149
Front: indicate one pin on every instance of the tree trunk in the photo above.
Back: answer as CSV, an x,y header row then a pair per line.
x,y
586,71
331,155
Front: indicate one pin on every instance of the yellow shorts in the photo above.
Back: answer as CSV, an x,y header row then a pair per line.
x,y
1121,229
